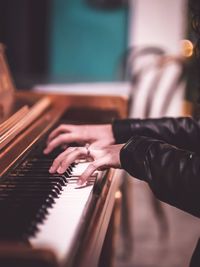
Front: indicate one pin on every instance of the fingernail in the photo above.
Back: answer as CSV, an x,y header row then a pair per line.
x,y
60,170
51,170
45,151
79,182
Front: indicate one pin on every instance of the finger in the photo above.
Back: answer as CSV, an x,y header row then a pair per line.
x,y
77,153
86,174
57,161
89,171
62,128
59,140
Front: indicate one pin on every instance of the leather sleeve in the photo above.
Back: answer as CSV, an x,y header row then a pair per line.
x,y
172,174
182,132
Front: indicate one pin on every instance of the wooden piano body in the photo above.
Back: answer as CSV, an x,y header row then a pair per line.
x,y
26,132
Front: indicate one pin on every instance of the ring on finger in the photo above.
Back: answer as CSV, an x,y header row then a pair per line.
x,y
87,149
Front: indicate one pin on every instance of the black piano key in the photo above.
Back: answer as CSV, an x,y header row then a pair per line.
x,y
35,182
27,193
30,186
62,180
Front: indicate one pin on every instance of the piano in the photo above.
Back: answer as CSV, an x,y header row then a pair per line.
x,y
45,220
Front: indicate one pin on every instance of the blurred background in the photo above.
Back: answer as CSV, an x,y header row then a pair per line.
x,y
85,40
62,41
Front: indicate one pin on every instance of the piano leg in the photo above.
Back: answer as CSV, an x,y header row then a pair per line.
x,y
127,189
109,246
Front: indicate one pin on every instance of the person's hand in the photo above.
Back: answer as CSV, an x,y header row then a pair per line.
x,y
100,159
98,135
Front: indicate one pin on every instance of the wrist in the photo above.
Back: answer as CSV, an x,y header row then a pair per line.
x,y
109,133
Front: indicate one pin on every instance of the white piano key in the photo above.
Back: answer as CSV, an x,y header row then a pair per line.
x,y
80,168
60,226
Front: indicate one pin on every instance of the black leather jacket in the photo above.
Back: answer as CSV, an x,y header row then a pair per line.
x,y
166,154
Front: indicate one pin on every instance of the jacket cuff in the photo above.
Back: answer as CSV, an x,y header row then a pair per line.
x,y
122,130
133,157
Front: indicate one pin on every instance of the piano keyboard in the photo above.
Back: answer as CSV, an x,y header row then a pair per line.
x,y
61,224
37,206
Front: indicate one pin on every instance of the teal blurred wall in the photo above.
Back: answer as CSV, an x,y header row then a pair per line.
x,y
86,44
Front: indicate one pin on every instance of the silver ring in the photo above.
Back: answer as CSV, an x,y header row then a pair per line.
x,y
87,149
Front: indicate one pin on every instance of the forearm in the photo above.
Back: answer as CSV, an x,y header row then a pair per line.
x,y
181,132
172,174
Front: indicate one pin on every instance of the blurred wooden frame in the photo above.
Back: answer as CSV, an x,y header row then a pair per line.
x,y
17,254
7,87
188,108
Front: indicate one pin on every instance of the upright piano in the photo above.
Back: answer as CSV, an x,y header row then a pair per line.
x,y
45,220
